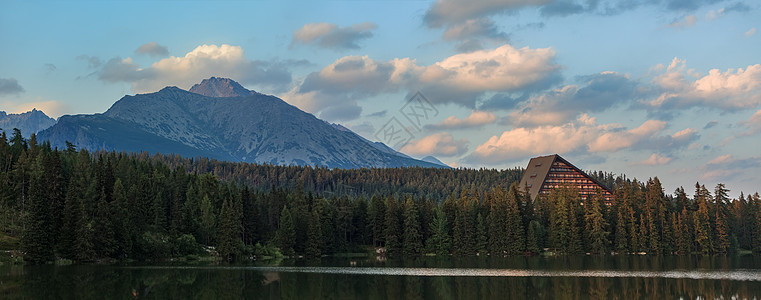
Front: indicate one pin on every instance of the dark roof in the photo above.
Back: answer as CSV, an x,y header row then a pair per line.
x,y
538,168
536,172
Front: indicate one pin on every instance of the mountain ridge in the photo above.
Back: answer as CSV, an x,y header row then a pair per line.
x,y
253,128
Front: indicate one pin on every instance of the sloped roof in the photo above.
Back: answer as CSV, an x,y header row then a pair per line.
x,y
536,172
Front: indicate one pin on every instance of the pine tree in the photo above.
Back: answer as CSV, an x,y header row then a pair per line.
x,y
722,237
515,236
285,237
481,239
393,231
534,237
36,238
621,238
104,242
701,220
596,225
314,236
439,242
413,244
377,219
228,234
497,222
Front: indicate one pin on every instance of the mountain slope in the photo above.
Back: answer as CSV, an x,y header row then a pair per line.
x,y
29,122
251,128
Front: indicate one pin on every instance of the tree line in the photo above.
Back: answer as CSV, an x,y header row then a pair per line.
x,y
82,206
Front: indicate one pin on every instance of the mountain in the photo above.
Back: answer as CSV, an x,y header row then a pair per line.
x,y
221,87
248,127
434,160
29,122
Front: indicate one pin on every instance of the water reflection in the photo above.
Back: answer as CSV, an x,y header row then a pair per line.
x,y
514,278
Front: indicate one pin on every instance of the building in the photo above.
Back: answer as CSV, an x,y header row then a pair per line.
x,y
546,173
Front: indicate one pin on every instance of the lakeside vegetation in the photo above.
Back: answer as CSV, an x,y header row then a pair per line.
x,y
104,206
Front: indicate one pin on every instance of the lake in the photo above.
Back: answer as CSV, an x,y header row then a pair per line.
x,y
560,277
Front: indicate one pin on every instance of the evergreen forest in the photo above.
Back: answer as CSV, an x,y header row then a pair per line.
x,y
86,206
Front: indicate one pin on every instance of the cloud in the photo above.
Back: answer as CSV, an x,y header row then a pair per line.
x,y
331,36
581,136
653,160
732,90
437,144
686,21
561,9
93,62
49,68
600,92
711,124
476,119
345,112
153,49
10,86
378,114
726,167
444,12
753,124
750,32
202,62
460,79
472,34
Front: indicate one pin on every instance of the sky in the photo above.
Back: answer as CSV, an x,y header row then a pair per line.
x,y
666,88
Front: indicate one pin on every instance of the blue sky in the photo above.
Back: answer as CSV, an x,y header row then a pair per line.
x,y
667,88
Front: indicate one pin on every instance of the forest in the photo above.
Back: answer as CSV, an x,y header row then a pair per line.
x,y
69,204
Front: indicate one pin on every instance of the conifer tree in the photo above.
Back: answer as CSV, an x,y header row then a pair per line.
x,y
701,219
228,234
596,225
481,239
104,242
36,238
439,242
514,232
413,240
393,231
722,235
314,235
285,237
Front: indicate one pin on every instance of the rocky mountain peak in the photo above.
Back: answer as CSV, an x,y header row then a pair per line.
x,y
220,87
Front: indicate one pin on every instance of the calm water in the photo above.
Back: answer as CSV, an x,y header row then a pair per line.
x,y
620,277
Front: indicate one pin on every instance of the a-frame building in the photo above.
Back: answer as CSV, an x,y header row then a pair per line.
x,y
546,173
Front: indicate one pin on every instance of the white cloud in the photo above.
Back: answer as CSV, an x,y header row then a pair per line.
x,y
731,90
327,35
202,62
580,136
438,144
475,119
654,160
153,49
459,79
750,32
